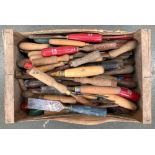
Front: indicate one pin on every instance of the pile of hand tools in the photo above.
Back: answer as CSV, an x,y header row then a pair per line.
x,y
84,73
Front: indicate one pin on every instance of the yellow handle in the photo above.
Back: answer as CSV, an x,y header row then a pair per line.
x,y
34,53
65,42
32,46
37,56
84,71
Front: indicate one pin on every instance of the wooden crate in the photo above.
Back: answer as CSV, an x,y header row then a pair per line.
x,y
12,92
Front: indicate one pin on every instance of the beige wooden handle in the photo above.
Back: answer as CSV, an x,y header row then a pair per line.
x,y
50,60
99,90
32,46
124,70
34,53
47,68
125,48
37,56
67,42
96,81
84,71
122,102
64,99
93,56
36,73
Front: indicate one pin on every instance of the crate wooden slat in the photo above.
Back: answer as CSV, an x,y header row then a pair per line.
x,y
12,97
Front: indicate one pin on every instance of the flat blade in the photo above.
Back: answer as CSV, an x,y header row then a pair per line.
x,y
47,105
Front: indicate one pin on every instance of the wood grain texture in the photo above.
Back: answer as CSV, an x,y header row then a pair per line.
x,y
9,75
60,31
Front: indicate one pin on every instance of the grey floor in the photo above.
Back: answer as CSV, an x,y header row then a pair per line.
x,y
59,125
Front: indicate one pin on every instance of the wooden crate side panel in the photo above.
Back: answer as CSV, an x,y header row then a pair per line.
x,y
9,75
146,74
60,31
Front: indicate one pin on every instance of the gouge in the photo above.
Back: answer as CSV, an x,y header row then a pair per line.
x,y
65,42
98,90
80,72
86,37
57,51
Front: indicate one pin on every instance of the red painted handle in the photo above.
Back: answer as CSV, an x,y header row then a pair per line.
x,y
127,93
57,51
86,37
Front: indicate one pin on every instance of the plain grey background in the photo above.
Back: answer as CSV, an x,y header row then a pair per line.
x,y
59,125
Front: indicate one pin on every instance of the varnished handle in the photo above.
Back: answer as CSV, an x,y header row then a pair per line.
x,y
96,81
84,71
88,58
122,102
125,48
98,90
50,60
36,73
32,46
67,42
47,68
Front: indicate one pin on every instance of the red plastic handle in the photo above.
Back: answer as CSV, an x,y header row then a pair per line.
x,y
86,37
57,51
127,93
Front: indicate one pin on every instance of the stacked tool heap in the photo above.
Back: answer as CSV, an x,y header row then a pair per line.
x,y
84,73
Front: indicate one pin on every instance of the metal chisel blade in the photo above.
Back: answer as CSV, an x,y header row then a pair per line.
x,y
46,105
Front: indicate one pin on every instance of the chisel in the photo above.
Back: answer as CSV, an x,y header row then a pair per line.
x,y
98,90
49,105
65,42
36,73
86,37
57,51
27,46
80,72
61,98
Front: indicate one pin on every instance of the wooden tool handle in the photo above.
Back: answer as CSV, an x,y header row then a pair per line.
x,y
88,58
34,53
36,73
32,46
125,48
47,68
37,56
84,71
61,98
98,90
67,42
101,47
50,60
122,102
124,70
96,81
127,83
